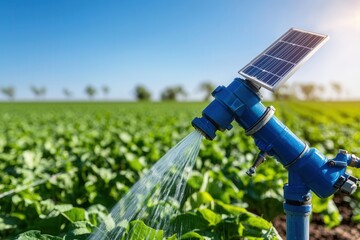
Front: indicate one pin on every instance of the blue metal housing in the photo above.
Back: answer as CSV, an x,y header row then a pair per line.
x,y
240,101
309,170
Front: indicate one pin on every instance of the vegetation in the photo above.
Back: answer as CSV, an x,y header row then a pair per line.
x,y
207,87
296,91
105,90
337,88
9,92
142,93
90,91
38,91
172,93
64,165
311,91
67,93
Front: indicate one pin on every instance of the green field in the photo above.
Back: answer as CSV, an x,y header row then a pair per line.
x,y
87,155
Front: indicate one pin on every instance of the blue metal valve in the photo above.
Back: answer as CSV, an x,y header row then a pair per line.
x,y
241,102
308,169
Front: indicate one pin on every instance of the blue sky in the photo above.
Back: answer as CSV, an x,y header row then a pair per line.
x,y
75,43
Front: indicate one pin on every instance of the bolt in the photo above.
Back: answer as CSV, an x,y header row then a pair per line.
x,y
354,158
332,163
306,198
342,151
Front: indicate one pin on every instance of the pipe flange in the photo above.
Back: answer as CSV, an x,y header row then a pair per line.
x,y
264,119
296,159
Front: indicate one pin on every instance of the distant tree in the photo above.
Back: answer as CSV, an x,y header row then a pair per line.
x,y
105,90
337,88
38,91
285,92
9,92
308,91
142,93
67,93
90,91
311,91
207,87
172,93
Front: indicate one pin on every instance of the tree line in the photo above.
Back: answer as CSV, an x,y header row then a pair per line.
x,y
40,92
304,91
141,92
172,93
308,91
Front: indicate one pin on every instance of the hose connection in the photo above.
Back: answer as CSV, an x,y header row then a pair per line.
x,y
345,183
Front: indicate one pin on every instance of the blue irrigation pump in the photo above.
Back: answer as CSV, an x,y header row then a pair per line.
x,y
308,169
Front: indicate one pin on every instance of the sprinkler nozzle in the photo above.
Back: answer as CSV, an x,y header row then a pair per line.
x,y
205,127
221,112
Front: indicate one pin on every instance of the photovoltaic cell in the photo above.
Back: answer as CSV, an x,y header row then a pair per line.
x,y
279,61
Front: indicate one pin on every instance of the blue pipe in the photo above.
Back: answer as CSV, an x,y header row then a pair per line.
x,y
297,222
297,207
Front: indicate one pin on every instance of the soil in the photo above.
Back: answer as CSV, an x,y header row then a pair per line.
x,y
348,230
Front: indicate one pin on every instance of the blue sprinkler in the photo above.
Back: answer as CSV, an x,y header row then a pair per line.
x,y
308,169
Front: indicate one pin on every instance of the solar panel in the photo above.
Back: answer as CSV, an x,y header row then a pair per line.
x,y
279,61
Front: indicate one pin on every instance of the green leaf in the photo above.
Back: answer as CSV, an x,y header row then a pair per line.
x,y
8,222
272,234
210,216
31,160
328,210
319,204
258,222
211,235
75,214
135,164
51,225
97,214
228,208
204,198
229,228
191,235
332,219
139,231
356,218
34,234
188,222
63,207
125,137
173,237
79,230
195,180
253,226
199,199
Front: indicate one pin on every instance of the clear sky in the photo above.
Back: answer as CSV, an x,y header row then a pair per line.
x,y
160,43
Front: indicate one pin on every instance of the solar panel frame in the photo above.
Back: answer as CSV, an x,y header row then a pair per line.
x,y
289,35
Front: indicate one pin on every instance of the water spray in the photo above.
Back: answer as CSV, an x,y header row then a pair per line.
x,y
308,169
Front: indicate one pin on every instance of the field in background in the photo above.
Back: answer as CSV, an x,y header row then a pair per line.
x,y
85,156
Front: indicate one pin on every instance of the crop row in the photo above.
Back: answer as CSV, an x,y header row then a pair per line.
x,y
65,165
